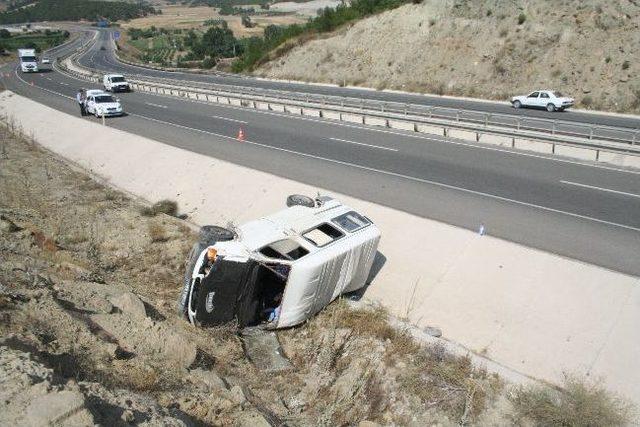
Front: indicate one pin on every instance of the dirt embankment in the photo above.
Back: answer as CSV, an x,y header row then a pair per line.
x,y
88,284
490,49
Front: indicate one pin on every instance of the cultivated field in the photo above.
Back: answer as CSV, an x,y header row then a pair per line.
x,y
194,17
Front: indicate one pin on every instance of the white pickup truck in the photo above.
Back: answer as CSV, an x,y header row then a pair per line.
x,y
115,83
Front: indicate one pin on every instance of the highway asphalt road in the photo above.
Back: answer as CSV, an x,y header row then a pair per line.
x,y
106,60
576,209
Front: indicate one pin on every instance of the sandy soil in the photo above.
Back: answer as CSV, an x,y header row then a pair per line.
x,y
88,285
586,49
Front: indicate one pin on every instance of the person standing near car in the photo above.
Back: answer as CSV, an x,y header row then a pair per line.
x,y
81,97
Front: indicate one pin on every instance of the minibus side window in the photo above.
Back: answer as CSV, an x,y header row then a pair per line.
x,y
323,234
286,249
351,221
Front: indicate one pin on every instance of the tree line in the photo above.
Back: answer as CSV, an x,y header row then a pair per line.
x,y
75,10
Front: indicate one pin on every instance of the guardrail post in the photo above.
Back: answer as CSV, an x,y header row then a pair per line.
x,y
430,112
518,124
457,115
553,127
591,137
406,107
635,135
486,119
362,105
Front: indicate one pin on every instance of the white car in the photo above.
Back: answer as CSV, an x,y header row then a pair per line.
x,y
115,83
280,270
45,61
548,99
100,104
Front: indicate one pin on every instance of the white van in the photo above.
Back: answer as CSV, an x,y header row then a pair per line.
x,y
115,83
280,270
28,60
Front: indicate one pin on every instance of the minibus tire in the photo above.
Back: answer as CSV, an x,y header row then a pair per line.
x,y
300,200
210,234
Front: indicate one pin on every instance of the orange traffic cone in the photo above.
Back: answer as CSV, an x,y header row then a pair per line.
x,y
240,135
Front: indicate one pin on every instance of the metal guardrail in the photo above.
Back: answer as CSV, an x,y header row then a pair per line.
x,y
247,96
553,127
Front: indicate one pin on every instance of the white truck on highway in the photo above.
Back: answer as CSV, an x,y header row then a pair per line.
x,y
28,60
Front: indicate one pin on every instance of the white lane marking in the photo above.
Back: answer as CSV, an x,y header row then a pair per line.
x,y
156,105
373,129
228,119
64,84
398,175
41,88
408,135
608,190
362,143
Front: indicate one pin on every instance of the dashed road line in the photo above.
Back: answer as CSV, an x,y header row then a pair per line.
x,y
608,190
399,175
156,105
228,119
362,143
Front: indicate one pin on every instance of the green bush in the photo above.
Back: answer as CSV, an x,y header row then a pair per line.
x,y
521,18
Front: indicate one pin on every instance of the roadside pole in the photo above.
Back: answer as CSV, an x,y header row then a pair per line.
x,y
103,122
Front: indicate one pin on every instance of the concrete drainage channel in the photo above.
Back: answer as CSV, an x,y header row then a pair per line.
x,y
620,154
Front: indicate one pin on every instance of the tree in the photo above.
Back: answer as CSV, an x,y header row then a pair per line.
x,y
218,43
246,21
5,34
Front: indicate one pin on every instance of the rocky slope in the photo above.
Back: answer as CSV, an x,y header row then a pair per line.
x,y
89,335
488,48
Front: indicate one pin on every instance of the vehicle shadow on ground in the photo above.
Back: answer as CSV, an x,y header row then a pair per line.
x,y
93,116
378,262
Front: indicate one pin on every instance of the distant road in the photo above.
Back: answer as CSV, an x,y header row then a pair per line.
x,y
106,60
582,210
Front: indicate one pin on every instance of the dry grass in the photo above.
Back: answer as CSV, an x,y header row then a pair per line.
x,y
141,378
577,404
429,373
158,233
167,207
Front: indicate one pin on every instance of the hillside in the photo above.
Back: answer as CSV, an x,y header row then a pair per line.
x,y
72,10
486,48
